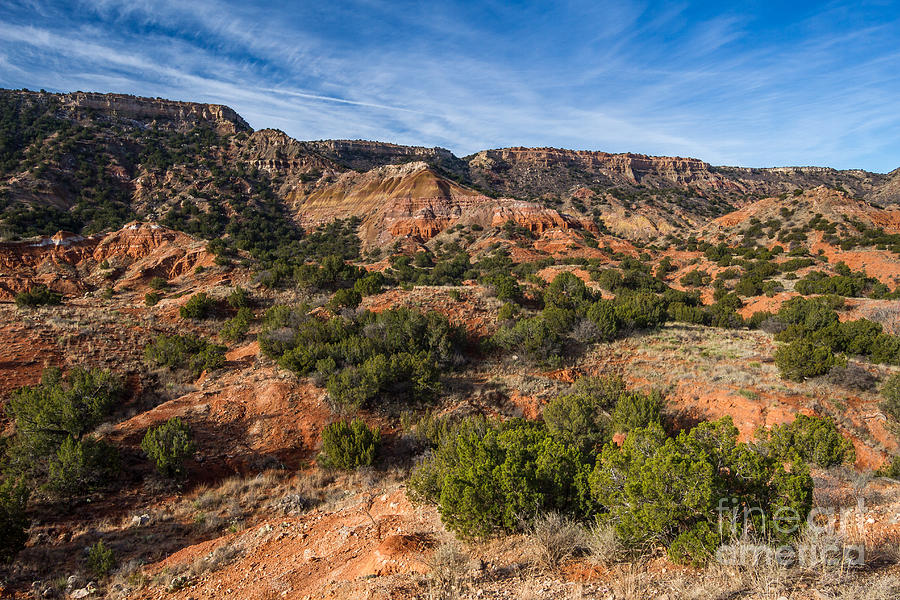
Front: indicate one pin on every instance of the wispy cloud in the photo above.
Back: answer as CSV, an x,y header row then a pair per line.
x,y
762,87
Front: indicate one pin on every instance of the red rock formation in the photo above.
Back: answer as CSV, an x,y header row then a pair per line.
x,y
64,261
412,200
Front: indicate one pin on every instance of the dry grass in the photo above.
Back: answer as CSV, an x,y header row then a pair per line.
x,y
553,539
631,582
603,548
448,570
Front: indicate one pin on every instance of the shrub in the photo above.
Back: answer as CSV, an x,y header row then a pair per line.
x,y
890,468
695,278
158,283
635,410
506,287
496,476
198,306
370,285
890,391
696,545
57,409
602,313
13,522
152,298
657,489
168,445
533,337
349,445
508,312
802,359
567,291
187,352
39,295
681,312
641,310
812,439
576,419
238,298
235,328
344,298
101,560
80,466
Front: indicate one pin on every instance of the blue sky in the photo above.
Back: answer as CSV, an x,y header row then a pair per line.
x,y
753,83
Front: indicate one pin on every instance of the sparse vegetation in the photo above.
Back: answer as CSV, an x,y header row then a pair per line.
x,y
184,352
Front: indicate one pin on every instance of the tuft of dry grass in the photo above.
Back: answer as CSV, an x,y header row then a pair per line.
x,y
603,547
631,582
553,539
448,572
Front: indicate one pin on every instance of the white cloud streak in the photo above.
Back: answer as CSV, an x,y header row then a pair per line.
x,y
460,84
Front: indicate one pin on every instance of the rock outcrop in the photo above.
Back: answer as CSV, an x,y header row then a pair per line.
x,y
156,112
412,200
68,263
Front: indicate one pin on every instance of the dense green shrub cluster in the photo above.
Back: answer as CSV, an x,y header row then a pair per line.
x,y
188,352
318,261
493,477
803,359
814,440
672,490
396,352
51,446
871,236
572,315
845,283
349,445
683,491
39,295
330,273
168,446
450,268
814,333
695,278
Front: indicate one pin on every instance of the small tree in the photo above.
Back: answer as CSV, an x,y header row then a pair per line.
x,y
814,439
344,298
634,410
239,298
101,560
152,298
802,359
168,445
57,409
80,466
349,445
199,306
13,523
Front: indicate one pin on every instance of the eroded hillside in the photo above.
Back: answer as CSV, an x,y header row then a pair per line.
x,y
236,365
